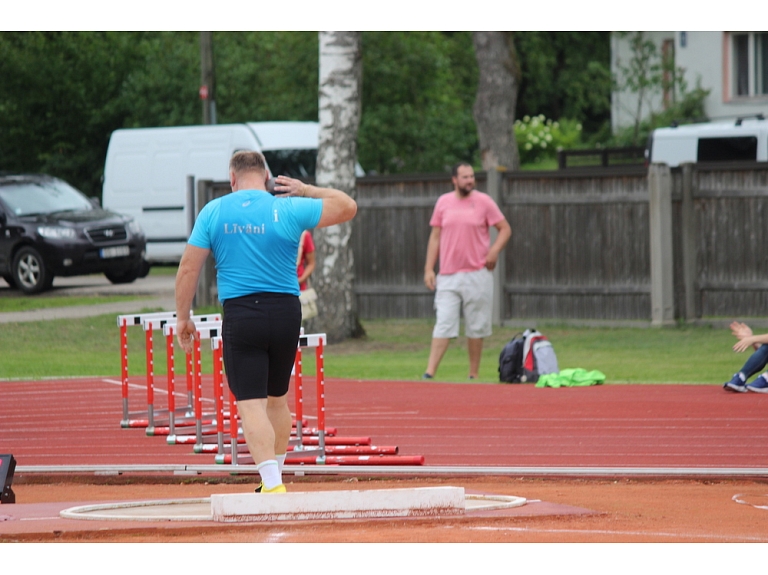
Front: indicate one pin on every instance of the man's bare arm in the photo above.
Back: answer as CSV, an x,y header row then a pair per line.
x,y
505,232
338,207
186,285
433,250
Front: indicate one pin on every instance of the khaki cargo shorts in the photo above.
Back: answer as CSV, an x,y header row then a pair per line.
x,y
471,290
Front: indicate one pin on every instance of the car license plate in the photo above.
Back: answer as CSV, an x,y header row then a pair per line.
x,y
116,252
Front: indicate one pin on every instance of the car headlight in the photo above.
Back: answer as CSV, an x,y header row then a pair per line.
x,y
56,232
135,228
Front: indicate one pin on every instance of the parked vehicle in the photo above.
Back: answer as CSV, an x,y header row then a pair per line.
x,y
48,229
741,139
147,169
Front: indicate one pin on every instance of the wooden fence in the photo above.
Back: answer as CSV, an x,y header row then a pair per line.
x,y
723,269
581,246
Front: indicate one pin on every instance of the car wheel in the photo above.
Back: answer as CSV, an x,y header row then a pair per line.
x,y
30,274
144,269
125,276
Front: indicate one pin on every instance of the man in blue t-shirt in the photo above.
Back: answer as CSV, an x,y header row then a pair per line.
x,y
254,237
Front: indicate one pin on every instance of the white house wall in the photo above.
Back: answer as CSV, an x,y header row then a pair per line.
x,y
702,58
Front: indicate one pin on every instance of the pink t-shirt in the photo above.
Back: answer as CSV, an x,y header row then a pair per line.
x,y
464,237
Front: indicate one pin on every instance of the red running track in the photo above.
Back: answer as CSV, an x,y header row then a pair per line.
x,y
77,422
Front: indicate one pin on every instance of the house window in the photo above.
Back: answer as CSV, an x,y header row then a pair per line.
x,y
750,64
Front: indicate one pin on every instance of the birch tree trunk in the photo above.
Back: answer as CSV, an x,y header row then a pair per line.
x,y
494,108
339,117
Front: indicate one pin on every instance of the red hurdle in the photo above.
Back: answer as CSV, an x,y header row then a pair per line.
x,y
123,321
207,327
168,328
308,446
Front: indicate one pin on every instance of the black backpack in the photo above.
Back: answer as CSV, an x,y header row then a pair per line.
x,y
511,360
527,356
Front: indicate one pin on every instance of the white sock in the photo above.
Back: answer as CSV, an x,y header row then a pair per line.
x,y
280,462
270,473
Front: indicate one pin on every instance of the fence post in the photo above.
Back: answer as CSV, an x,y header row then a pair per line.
x,y
499,273
191,211
688,232
660,211
203,294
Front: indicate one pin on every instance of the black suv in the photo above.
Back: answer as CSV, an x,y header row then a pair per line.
x,y
48,228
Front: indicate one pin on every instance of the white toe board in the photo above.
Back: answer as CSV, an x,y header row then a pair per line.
x,y
421,501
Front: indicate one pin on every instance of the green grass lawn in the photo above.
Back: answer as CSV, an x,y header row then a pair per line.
x,y
13,301
43,301
392,350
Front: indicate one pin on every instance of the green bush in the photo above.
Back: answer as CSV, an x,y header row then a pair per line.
x,y
539,138
687,110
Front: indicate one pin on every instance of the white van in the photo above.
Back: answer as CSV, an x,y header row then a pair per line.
x,y
743,139
146,170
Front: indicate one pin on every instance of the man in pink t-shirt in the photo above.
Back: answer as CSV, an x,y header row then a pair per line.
x,y
460,237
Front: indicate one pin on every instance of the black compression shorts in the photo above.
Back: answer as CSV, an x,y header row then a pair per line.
x,y
260,335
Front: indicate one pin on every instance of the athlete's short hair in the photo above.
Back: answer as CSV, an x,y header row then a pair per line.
x,y
248,161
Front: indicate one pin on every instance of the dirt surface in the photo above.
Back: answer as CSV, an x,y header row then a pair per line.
x,y
559,510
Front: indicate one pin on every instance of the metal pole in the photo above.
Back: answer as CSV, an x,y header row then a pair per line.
x,y
207,78
191,212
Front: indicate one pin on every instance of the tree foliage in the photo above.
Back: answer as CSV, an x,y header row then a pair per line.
x,y
418,90
63,93
60,100
566,75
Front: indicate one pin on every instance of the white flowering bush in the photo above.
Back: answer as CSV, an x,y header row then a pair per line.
x,y
539,138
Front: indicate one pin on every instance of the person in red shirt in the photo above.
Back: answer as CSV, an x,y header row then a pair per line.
x,y
460,238
305,263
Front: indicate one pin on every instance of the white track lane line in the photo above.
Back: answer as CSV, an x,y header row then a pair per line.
x,y
158,390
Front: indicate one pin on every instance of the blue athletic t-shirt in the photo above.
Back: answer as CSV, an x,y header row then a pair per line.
x,y
254,237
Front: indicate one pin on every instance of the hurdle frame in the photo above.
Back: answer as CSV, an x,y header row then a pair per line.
x,y
299,449
123,322
210,329
166,325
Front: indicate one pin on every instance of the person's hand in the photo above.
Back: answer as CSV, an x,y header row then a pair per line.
x,y
490,260
186,333
290,187
429,279
744,344
740,330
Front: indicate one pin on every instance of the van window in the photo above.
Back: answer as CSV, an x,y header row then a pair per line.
x,y
292,163
727,149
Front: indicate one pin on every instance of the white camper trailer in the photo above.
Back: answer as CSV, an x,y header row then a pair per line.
x,y
147,169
